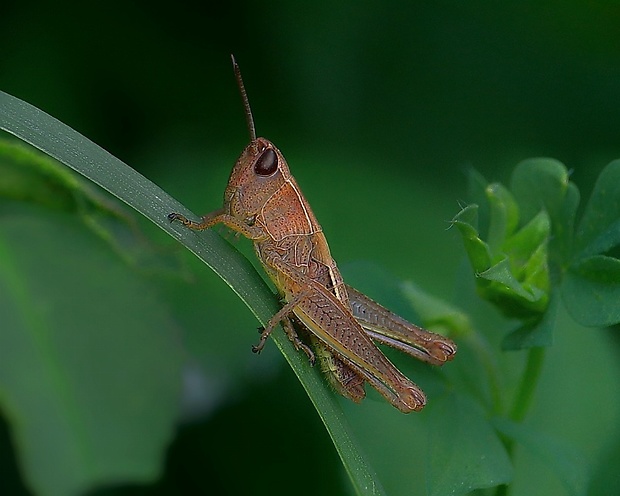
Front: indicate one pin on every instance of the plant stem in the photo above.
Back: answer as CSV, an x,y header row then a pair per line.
x,y
523,399
529,381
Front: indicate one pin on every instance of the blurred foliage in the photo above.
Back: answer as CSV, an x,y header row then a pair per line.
x,y
378,107
534,247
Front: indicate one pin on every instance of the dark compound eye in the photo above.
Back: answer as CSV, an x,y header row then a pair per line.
x,y
267,163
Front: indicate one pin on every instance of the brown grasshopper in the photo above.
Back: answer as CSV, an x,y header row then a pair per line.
x,y
263,202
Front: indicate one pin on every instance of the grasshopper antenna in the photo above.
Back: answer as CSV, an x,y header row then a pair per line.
x,y
244,96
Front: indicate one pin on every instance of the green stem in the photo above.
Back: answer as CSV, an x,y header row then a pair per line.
x,y
523,399
529,381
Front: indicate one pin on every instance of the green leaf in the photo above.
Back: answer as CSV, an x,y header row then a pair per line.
x,y
599,228
509,287
566,462
542,184
591,285
514,274
89,358
599,269
536,332
591,291
527,252
522,244
477,250
32,177
74,150
539,184
465,452
504,217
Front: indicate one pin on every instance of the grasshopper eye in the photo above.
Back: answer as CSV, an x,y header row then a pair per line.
x,y
267,163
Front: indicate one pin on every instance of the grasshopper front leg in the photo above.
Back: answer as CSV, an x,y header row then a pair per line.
x,y
245,227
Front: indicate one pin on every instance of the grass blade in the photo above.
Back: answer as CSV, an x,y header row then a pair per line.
x,y
82,155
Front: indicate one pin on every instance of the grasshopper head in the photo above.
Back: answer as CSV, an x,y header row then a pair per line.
x,y
260,188
259,172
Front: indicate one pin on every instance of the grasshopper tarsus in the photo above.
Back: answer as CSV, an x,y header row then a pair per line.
x,y
174,216
264,335
413,402
446,350
257,348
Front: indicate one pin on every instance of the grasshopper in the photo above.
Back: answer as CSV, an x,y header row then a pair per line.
x,y
263,202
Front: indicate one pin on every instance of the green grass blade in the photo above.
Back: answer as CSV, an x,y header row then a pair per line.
x,y
82,155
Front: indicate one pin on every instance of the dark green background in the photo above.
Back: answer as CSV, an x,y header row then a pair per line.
x,y
379,108
400,95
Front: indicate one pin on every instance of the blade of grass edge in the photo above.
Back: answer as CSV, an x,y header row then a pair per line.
x,y
69,147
